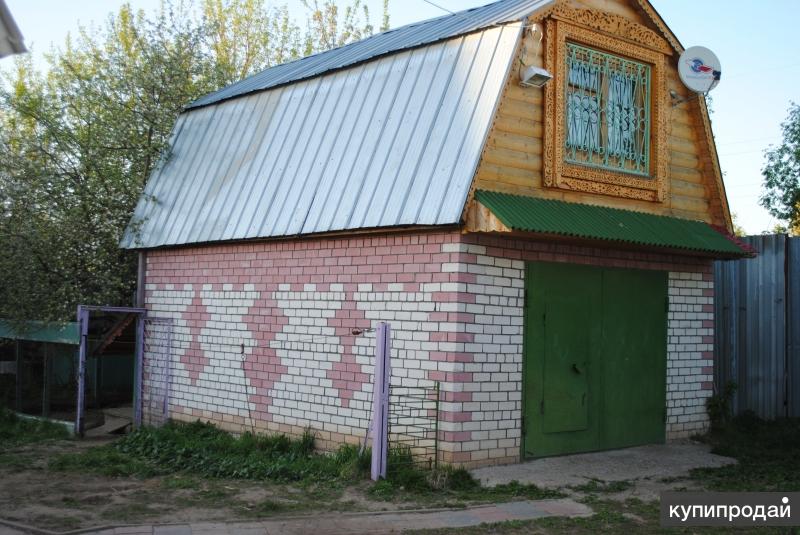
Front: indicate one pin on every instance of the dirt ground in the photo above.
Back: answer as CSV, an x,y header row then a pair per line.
x,y
33,495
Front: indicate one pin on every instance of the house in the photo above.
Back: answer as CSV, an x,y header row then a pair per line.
x,y
10,36
544,253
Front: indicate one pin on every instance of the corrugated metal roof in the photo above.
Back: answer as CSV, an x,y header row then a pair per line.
x,y
388,42
390,142
10,36
547,216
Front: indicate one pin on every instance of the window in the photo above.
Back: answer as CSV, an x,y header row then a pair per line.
x,y
608,111
605,113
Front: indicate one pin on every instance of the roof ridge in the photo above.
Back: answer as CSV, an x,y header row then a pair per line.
x,y
377,45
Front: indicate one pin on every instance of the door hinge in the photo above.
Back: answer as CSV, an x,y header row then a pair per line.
x,y
541,407
525,298
666,304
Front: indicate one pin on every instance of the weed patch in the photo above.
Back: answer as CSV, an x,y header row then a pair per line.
x,y
768,455
203,450
445,485
605,487
16,431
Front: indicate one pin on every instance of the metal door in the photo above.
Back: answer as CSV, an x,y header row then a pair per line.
x,y
595,358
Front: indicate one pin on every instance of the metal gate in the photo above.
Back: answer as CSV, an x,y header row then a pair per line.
x,y
155,347
156,372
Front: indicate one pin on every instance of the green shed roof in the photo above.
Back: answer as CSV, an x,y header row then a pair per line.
x,y
545,216
38,331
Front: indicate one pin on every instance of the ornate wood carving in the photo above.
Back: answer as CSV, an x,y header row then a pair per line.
x,y
655,18
612,24
558,173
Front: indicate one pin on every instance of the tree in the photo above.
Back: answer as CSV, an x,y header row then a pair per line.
x,y
738,230
79,139
781,173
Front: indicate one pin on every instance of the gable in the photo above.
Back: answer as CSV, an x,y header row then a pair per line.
x,y
387,143
522,152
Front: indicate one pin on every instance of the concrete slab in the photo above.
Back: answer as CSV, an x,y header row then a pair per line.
x,y
647,465
374,522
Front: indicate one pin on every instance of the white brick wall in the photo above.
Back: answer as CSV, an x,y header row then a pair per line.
x,y
689,353
278,356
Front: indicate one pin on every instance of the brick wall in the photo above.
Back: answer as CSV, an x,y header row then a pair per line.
x,y
690,352
266,343
265,330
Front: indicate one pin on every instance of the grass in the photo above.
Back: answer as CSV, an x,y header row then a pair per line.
x,y
203,450
16,431
606,487
188,453
445,486
768,455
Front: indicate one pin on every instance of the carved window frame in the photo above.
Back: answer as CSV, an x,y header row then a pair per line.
x,y
558,173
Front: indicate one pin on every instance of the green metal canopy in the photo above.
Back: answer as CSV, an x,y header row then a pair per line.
x,y
545,216
38,331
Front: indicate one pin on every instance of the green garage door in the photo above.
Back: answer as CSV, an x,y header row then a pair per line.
x,y
595,358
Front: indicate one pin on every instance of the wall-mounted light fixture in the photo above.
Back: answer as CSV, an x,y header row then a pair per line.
x,y
530,76
534,77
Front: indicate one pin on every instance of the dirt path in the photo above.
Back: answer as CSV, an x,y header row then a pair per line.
x,y
32,494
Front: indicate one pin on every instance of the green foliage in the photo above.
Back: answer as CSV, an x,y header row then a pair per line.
x,y
718,406
200,449
79,138
16,431
781,196
768,455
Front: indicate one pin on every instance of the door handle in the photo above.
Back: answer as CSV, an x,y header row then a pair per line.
x,y
576,369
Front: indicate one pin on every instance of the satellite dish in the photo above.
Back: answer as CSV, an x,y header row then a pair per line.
x,y
699,69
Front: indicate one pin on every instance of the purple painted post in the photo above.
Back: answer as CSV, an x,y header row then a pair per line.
x,y
380,401
83,326
138,370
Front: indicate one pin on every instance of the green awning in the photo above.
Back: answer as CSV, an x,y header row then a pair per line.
x,y
37,331
583,221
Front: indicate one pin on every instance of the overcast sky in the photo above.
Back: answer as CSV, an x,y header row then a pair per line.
x,y
757,43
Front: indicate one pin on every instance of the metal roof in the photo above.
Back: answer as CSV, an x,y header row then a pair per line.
x,y
545,216
10,36
388,42
39,331
390,142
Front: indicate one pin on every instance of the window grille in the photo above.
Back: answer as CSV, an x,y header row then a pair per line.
x,y
608,111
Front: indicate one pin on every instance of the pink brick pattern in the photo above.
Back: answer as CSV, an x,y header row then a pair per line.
x,y
266,339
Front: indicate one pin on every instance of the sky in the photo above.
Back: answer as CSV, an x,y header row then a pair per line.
x,y
757,44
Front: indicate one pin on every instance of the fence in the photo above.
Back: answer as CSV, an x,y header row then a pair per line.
x,y
414,426
37,368
155,375
757,327
311,384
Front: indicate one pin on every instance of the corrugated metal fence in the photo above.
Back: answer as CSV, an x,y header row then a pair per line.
x,y
757,327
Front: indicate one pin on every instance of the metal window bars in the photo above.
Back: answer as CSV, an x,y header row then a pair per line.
x,y
607,111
